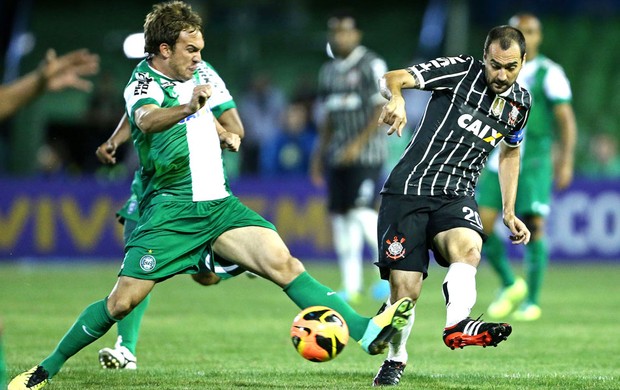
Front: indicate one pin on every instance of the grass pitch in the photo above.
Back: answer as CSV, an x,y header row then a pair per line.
x,y
236,334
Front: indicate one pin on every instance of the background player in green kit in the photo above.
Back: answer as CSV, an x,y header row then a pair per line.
x,y
187,210
123,355
551,121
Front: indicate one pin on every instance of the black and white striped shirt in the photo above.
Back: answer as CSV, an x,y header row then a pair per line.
x,y
463,122
349,90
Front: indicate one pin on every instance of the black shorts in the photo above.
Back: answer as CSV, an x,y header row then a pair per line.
x,y
352,186
407,225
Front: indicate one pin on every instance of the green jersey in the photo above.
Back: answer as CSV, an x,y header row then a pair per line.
x,y
548,86
185,161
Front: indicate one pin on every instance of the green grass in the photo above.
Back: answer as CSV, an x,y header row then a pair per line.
x,y
235,334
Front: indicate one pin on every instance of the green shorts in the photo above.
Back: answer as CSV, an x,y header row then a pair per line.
x,y
174,237
216,264
533,194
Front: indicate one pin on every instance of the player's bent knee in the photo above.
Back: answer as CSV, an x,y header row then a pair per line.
x,y
285,271
118,308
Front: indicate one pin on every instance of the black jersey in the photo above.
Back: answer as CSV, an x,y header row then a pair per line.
x,y
349,89
463,121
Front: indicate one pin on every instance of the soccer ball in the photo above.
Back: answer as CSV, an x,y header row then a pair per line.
x,y
319,333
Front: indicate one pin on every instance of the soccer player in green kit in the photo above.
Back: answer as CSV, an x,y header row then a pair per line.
x,y
551,121
123,355
187,210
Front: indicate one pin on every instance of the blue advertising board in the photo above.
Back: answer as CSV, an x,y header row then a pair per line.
x,y
75,219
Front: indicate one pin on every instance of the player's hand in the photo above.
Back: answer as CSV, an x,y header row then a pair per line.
x,y
230,141
394,114
67,71
520,234
199,98
106,152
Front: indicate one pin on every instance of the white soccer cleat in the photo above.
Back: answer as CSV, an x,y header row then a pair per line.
x,y
118,357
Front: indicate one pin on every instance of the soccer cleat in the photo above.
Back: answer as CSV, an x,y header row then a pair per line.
x,y
389,373
382,327
35,378
475,332
527,312
507,299
118,357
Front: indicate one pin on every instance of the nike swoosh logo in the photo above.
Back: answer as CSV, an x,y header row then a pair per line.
x,y
331,293
85,329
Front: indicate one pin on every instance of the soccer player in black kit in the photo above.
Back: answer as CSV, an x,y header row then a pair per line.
x,y
428,199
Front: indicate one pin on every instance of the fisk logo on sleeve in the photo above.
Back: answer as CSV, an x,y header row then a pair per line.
x,y
440,63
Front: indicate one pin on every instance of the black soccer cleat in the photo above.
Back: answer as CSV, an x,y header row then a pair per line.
x,y
475,332
389,373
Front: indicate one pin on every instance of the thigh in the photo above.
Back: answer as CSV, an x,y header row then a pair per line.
x,y
403,244
260,250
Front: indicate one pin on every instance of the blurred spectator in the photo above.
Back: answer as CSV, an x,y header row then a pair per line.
x,y
604,161
261,109
289,153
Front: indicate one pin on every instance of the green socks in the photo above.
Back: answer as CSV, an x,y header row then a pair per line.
x,y
495,252
306,291
129,327
92,323
536,259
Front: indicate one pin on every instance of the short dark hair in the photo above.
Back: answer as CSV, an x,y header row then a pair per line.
x,y
505,35
342,14
166,21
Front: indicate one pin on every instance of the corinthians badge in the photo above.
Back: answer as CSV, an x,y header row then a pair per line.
x,y
395,250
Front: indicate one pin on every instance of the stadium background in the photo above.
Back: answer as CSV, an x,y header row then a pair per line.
x,y
73,217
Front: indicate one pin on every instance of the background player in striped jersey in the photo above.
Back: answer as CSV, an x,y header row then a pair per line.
x,y
351,151
551,115
187,209
123,355
428,200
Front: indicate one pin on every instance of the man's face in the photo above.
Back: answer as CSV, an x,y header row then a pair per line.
x,y
343,36
501,67
185,55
